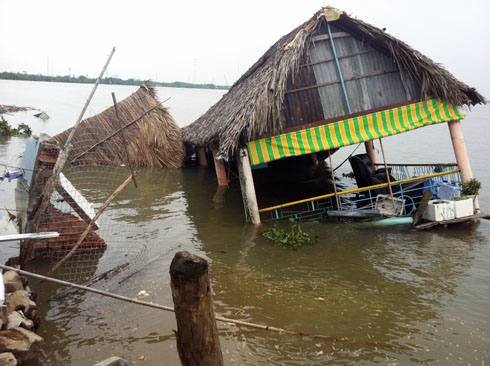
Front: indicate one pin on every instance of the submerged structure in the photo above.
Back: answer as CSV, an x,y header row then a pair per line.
x,y
149,132
89,205
332,82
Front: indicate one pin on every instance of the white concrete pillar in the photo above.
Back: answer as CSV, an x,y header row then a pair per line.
x,y
461,154
460,150
247,186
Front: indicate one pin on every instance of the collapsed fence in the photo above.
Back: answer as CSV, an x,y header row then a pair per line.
x,y
80,188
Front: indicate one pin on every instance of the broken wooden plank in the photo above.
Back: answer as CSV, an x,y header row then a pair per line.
x,y
76,200
422,206
430,224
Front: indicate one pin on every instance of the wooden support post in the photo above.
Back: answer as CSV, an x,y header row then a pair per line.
x,y
201,154
460,150
247,186
369,145
197,334
219,165
314,158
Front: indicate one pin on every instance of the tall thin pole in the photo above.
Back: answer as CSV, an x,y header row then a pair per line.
x,y
387,175
124,138
60,163
97,82
339,69
333,180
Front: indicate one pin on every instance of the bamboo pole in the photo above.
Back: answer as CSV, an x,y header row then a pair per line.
x,y
333,180
60,163
125,145
387,175
89,226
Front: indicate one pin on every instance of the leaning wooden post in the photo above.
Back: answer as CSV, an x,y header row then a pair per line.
x,y
220,170
197,334
247,187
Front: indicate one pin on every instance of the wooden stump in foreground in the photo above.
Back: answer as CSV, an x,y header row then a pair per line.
x,y
197,335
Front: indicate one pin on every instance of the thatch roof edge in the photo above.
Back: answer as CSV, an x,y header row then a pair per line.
x,y
149,132
253,105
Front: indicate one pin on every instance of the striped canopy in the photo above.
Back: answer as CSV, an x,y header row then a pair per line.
x,y
352,131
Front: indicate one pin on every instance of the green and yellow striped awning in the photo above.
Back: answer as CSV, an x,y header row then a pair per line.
x,y
352,131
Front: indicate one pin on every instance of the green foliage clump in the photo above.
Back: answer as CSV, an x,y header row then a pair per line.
x,y
7,131
470,188
295,237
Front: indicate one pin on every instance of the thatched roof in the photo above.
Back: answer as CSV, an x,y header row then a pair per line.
x,y
254,105
154,140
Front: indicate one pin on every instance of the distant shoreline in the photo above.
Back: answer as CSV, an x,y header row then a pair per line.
x,y
111,81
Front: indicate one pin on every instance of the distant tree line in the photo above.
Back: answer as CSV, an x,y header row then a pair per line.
x,y
112,80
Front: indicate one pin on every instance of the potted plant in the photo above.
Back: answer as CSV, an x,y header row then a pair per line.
x,y
470,188
464,205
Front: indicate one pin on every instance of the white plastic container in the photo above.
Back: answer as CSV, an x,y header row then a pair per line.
x,y
463,207
439,210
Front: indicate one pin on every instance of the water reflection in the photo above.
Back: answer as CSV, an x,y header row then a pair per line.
x,y
390,286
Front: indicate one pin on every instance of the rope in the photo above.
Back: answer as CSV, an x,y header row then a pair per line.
x,y
347,158
218,318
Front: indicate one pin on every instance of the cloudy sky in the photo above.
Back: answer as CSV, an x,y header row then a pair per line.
x,y
216,41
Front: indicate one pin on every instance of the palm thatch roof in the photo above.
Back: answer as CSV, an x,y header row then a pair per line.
x,y
254,106
149,132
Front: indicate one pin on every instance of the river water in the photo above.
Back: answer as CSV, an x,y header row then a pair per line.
x,y
401,297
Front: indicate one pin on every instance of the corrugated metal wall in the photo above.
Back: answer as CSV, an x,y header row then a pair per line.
x,y
372,80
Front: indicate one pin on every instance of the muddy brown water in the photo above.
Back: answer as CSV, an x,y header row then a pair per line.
x,y
422,296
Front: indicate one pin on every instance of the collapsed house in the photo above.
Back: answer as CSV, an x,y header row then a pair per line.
x,y
137,132
332,82
149,132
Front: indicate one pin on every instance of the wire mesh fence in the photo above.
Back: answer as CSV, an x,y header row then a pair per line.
x,y
110,247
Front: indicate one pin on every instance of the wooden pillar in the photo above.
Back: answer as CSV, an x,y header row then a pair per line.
x,y
197,334
460,150
369,145
247,186
219,165
461,155
201,154
314,158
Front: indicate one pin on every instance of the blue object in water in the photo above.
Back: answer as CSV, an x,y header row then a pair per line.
x,y
11,175
402,220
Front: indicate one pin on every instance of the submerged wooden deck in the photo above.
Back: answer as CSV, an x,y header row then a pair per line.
x,y
431,224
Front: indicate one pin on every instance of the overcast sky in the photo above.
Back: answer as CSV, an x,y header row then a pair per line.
x,y
216,41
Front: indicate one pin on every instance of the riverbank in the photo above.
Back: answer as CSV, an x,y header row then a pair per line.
x,y
107,80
